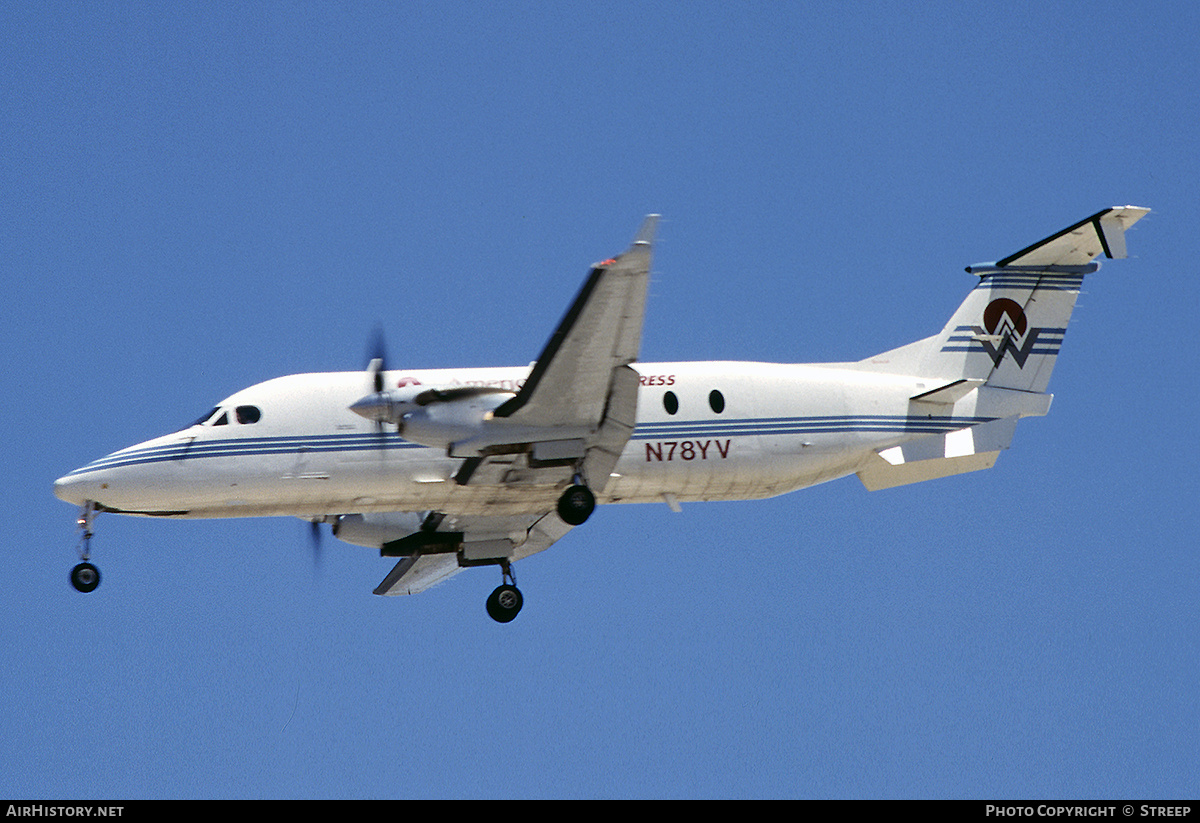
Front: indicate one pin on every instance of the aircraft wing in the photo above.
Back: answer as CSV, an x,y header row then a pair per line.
x,y
601,331
416,573
1077,245
431,555
582,379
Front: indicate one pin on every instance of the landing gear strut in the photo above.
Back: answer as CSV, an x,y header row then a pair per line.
x,y
85,577
505,602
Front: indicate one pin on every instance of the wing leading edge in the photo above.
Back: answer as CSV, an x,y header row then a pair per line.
x,y
581,381
601,331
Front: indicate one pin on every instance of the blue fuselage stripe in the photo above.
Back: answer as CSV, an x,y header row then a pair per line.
x,y
681,429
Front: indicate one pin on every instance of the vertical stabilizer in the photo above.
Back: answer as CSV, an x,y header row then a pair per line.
x,y
1008,331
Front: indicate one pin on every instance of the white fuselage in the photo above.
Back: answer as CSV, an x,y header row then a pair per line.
x,y
735,431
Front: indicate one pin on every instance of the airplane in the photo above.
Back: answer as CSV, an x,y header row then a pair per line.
x,y
447,469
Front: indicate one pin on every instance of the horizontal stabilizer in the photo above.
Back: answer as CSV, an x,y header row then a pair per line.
x,y
1077,245
965,450
881,475
985,437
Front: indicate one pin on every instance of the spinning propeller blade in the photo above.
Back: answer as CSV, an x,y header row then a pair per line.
x,y
377,359
376,366
315,539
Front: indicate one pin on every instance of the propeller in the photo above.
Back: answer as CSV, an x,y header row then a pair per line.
x,y
377,359
315,539
376,366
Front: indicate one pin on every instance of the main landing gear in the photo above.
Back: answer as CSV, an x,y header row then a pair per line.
x,y
85,577
576,504
505,602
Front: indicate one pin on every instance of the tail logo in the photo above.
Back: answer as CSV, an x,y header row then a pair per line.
x,y
1005,317
1005,330
1008,332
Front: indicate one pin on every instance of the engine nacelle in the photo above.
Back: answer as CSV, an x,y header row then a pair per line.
x,y
435,417
461,421
450,417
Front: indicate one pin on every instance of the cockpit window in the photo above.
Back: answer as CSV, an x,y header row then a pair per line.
x,y
207,415
243,414
248,414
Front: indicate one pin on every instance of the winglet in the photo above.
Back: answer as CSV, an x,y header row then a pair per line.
x,y
645,235
643,241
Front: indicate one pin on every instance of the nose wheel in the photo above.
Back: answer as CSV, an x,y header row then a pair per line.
x,y
85,577
505,602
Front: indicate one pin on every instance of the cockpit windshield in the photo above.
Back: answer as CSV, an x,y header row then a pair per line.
x,y
221,417
205,417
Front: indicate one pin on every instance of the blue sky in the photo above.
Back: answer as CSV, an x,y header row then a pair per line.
x,y
201,197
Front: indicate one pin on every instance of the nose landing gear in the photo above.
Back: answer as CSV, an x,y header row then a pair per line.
x,y
85,577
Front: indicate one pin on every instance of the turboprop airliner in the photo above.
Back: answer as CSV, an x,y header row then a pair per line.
x,y
447,469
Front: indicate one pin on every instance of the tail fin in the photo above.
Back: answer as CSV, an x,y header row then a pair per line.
x,y
1008,331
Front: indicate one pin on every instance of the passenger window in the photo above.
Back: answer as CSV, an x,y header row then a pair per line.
x,y
248,414
717,401
222,420
670,402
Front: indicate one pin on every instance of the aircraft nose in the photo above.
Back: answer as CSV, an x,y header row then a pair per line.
x,y
73,489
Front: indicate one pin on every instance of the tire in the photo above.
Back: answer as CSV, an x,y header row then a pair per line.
x,y
85,577
576,505
504,603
